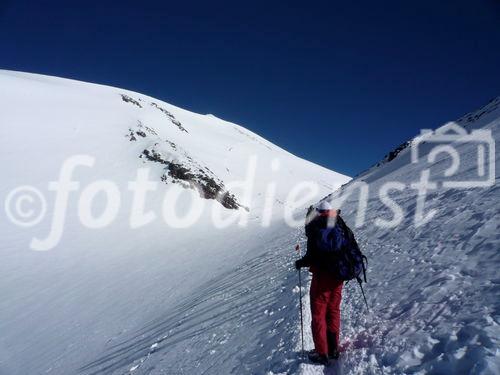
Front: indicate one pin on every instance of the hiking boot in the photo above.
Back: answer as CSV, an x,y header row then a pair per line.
x,y
334,354
315,357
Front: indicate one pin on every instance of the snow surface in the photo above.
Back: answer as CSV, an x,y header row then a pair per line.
x,y
159,301
434,291
104,300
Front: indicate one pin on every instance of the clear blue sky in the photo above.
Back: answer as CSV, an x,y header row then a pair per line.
x,y
336,82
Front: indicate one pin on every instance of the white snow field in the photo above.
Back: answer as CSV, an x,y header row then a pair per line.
x,y
202,300
165,296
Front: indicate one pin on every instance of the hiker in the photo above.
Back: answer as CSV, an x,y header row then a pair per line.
x,y
327,235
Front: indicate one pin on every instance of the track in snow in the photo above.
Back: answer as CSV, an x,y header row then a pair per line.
x,y
240,322
245,321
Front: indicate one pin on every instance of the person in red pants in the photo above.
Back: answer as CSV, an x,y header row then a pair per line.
x,y
325,297
326,289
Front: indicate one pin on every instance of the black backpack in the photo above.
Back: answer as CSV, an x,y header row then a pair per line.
x,y
348,262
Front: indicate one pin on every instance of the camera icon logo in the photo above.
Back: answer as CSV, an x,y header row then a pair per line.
x,y
478,168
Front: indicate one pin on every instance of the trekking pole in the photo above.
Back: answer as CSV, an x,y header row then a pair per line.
x,y
300,303
364,297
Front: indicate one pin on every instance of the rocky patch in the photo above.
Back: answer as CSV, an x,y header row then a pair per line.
x,y
129,99
171,117
491,106
180,167
207,185
392,154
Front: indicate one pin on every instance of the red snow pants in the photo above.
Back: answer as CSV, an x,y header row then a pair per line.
x,y
325,296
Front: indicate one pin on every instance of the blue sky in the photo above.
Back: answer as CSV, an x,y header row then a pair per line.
x,y
339,83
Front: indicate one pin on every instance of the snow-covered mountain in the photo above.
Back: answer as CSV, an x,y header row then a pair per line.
x,y
96,300
434,288
205,300
56,118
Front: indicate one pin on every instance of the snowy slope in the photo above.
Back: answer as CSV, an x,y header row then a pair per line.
x,y
97,299
434,290
158,300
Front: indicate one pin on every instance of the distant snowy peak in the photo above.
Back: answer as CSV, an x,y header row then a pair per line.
x,y
198,152
170,149
470,120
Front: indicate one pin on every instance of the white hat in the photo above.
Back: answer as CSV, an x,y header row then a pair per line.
x,y
324,206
